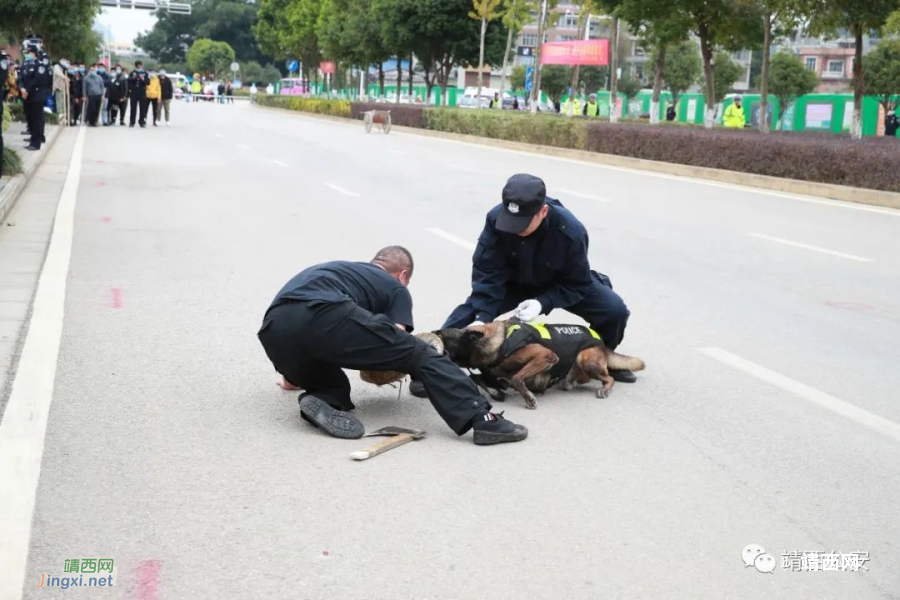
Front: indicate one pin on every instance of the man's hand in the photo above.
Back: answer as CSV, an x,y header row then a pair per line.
x,y
528,310
24,95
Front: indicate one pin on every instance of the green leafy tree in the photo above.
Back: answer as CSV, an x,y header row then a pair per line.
x,y
65,25
892,26
659,24
207,56
859,17
593,78
229,21
287,29
555,80
788,80
484,11
630,87
881,68
250,71
545,16
728,24
779,18
683,68
517,78
517,13
726,72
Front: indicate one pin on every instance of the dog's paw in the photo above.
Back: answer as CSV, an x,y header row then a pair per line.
x,y
601,393
530,402
567,385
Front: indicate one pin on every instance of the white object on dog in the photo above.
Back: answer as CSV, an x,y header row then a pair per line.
x,y
475,324
528,310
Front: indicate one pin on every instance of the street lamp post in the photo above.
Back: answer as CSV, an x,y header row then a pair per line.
x,y
536,84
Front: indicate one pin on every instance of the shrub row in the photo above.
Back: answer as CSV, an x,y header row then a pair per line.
x,y
334,108
12,163
818,157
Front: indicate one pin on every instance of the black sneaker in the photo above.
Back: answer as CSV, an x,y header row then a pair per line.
x,y
336,423
417,389
492,428
623,375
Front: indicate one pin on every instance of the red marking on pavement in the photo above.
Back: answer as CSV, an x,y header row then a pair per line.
x,y
858,306
325,553
106,219
116,297
148,580
101,183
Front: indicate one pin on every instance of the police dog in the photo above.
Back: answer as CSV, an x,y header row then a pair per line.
x,y
532,358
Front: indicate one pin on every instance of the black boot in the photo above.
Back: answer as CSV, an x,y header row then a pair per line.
x,y
336,423
492,428
623,375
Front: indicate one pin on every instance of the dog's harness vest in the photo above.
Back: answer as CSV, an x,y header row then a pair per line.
x,y
566,341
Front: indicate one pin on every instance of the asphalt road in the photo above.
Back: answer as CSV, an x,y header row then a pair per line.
x,y
768,413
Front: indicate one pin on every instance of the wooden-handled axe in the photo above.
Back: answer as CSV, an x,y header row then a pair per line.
x,y
398,437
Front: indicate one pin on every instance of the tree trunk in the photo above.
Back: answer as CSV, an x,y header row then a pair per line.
x,y
536,83
709,114
445,79
410,75
429,81
509,39
380,79
613,74
858,87
657,84
481,61
764,74
363,81
399,80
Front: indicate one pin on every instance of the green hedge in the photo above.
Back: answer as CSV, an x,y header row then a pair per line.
x,y
545,130
334,108
12,163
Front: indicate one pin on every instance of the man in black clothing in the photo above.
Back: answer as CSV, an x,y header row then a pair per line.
x,y
36,83
4,73
358,316
137,94
118,95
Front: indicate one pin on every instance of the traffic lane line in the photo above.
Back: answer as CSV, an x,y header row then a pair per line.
x,y
279,163
341,190
582,196
778,240
467,244
242,146
810,394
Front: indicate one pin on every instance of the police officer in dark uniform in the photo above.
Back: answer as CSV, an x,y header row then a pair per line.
x,y
4,73
137,94
354,315
532,256
37,80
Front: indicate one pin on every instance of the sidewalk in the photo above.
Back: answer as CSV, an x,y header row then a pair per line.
x,y
24,235
14,140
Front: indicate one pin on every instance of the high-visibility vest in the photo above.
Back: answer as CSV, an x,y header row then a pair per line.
x,y
592,109
577,106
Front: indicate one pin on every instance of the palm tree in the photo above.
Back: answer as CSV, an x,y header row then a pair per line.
x,y
485,11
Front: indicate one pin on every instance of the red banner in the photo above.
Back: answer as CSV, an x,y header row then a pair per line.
x,y
584,52
327,67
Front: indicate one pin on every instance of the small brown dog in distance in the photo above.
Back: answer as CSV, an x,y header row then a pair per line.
x,y
530,358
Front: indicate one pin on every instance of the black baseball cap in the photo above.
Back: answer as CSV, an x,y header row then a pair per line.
x,y
523,197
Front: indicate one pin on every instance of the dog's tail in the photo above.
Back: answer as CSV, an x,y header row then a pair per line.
x,y
618,362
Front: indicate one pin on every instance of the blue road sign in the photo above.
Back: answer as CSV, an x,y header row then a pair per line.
x,y
292,65
529,72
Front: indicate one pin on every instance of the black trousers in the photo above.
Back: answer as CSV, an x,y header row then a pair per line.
x,y
601,307
2,106
154,105
93,109
310,343
142,104
34,116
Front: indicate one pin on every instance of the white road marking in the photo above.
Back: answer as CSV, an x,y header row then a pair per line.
x,y
279,163
242,146
770,238
24,424
698,181
810,394
580,195
463,169
220,136
341,190
467,244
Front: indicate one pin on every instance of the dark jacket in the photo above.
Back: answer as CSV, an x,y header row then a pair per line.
x,y
76,87
550,265
891,124
137,85
36,81
166,85
118,88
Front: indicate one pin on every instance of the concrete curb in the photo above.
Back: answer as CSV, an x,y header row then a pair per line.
x,y
766,182
12,190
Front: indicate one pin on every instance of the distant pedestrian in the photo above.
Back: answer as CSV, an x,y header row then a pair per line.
x,y
118,96
591,108
76,95
107,81
137,94
495,102
221,92
168,92
94,90
196,90
154,94
229,92
515,103
734,115
670,113
891,124
270,89
253,92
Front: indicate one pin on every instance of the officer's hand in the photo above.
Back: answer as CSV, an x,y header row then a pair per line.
x,y
475,324
24,95
528,310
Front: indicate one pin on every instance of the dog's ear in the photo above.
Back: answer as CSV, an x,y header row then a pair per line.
x,y
472,335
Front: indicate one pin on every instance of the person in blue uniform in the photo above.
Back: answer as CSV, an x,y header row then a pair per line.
x,y
37,79
532,256
357,315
